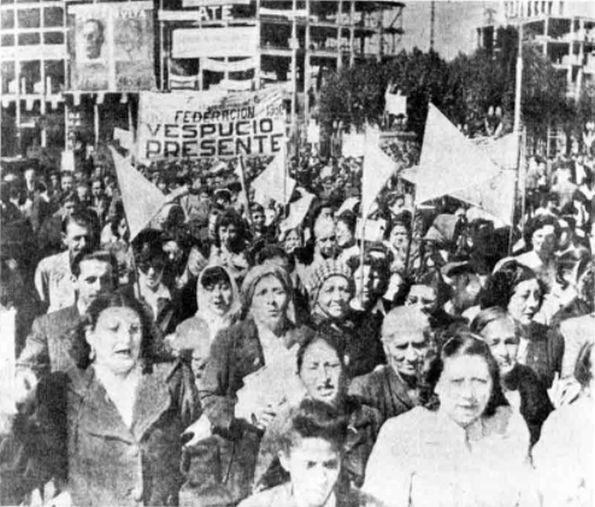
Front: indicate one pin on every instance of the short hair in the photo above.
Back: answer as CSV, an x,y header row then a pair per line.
x,y
583,369
256,208
492,314
80,217
70,196
269,252
98,24
99,256
313,419
500,286
538,222
227,218
213,275
405,313
349,219
465,343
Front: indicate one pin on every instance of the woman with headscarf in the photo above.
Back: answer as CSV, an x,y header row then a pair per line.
x,y
250,373
331,288
218,303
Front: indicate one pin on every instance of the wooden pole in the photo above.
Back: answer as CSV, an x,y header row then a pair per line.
x,y
245,190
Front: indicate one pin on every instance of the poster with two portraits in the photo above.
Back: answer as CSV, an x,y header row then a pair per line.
x,y
111,46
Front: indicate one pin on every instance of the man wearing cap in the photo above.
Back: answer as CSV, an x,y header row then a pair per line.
x,y
395,388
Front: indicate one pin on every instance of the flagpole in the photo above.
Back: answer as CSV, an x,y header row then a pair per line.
x,y
245,191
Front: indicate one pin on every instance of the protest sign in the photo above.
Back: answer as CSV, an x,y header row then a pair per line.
x,y
112,48
215,42
210,124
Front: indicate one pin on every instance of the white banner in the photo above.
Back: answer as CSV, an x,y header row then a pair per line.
x,y
206,3
210,124
222,66
215,42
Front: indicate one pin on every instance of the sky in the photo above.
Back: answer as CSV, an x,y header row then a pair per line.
x,y
454,29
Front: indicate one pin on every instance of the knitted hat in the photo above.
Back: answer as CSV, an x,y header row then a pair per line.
x,y
322,272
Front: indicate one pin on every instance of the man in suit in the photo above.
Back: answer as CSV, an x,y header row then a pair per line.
x,y
47,348
394,388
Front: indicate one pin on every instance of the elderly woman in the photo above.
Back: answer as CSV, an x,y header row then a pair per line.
x,y
330,289
218,302
520,384
250,373
516,288
322,371
564,455
111,429
471,451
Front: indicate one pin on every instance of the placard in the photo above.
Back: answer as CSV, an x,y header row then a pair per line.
x,y
112,47
215,42
210,124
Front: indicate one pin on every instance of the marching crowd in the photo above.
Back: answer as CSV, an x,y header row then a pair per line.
x,y
225,356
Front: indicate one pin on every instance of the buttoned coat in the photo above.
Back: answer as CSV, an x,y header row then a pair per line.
x,y
109,463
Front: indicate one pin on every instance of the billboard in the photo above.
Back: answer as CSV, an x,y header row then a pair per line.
x,y
210,124
111,47
215,42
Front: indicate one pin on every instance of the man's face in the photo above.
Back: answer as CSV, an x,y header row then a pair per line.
x,y
95,278
421,296
96,189
77,238
66,183
82,192
326,241
258,220
93,39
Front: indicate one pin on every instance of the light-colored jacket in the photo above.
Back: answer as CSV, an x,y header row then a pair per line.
x,y
424,458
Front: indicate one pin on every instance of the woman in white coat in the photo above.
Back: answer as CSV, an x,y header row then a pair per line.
x,y
471,452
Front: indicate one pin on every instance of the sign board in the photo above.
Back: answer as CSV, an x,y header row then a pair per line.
x,y
215,42
67,161
205,3
112,46
210,124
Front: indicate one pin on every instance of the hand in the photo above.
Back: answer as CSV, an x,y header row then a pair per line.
x,y
563,391
263,418
199,430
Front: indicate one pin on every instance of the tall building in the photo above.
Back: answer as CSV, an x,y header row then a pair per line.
x,y
199,44
564,31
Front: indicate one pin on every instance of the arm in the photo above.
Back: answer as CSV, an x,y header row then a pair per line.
x,y
41,282
35,355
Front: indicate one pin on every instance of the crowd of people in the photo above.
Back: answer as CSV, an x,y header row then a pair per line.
x,y
224,356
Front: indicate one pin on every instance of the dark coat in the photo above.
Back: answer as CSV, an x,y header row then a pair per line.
x,y
535,402
384,390
544,352
47,348
108,463
235,353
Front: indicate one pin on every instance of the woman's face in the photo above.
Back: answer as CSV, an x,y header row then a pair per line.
x,y
544,240
269,302
313,465
464,388
501,336
116,339
292,241
322,373
219,296
525,301
334,296
343,234
422,296
228,235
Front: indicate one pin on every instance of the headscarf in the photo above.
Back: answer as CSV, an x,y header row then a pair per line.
x,y
216,322
259,272
322,272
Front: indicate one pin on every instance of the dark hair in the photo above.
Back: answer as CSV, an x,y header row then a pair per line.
x,y
70,196
583,369
225,219
80,217
349,219
313,419
98,24
538,222
465,343
255,207
500,286
100,256
213,275
269,252
330,340
81,350
489,315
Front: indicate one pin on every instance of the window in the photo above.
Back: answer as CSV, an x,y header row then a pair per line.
x,y
7,20
53,16
28,18
53,38
28,39
7,40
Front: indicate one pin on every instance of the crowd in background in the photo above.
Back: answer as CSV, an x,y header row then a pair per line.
x,y
224,357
